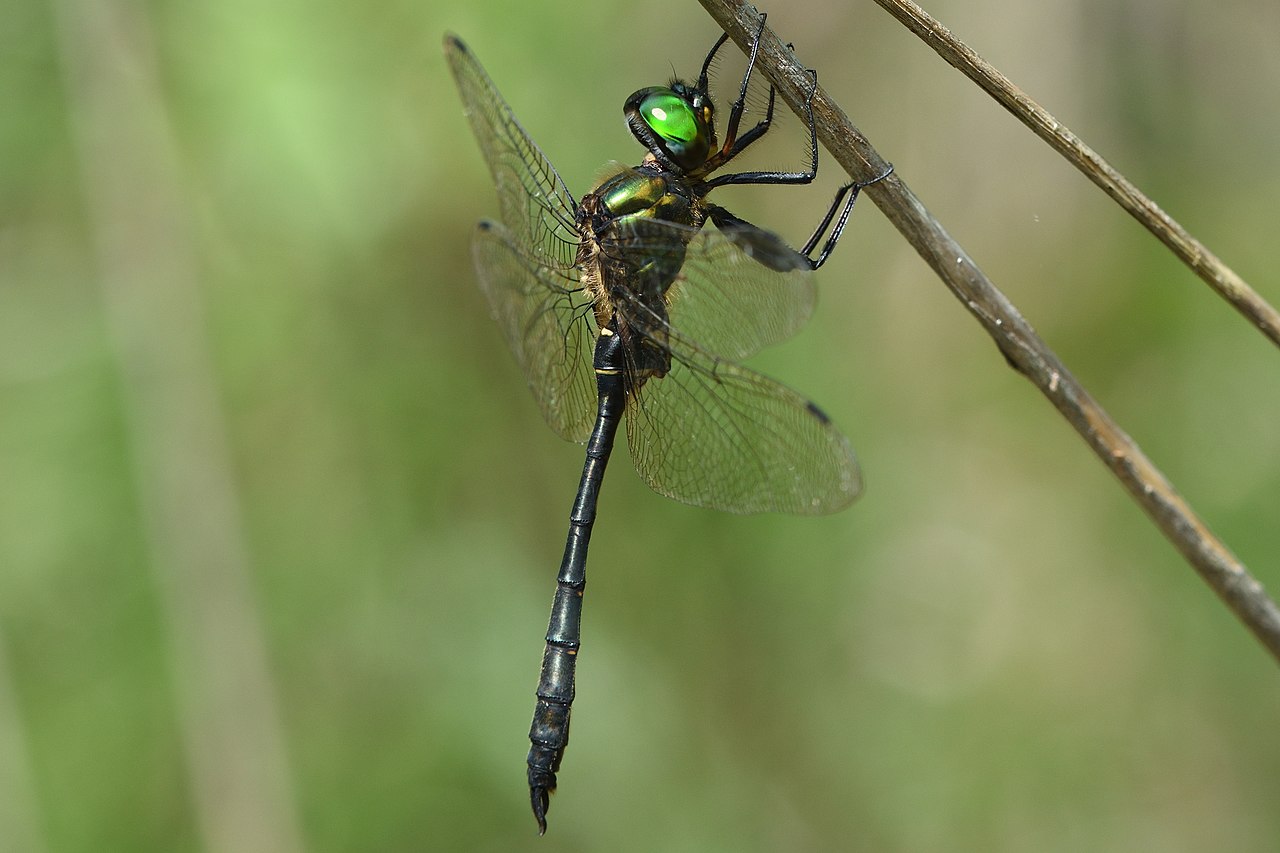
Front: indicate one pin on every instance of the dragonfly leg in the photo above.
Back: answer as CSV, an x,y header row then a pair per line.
x,y
851,190
734,146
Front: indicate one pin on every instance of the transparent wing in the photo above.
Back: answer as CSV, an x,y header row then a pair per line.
x,y
548,322
713,433
535,205
723,299
526,265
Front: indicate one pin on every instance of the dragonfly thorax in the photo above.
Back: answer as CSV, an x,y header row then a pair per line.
x,y
635,227
647,191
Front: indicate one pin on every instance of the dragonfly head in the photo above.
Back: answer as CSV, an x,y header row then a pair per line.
x,y
674,122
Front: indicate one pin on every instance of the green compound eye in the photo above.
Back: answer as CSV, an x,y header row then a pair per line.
x,y
670,117
673,123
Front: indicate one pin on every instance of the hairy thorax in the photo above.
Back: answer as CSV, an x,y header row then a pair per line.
x,y
626,251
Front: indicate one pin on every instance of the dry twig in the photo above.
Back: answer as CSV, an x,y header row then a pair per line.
x,y
1208,555
1189,250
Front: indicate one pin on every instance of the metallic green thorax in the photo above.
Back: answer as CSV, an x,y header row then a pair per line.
x,y
647,192
627,255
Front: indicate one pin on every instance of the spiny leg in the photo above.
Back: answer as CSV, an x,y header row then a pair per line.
x,y
706,63
769,177
732,145
851,190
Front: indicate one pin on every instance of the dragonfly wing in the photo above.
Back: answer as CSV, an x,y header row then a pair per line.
x,y
535,204
526,264
714,433
548,322
725,298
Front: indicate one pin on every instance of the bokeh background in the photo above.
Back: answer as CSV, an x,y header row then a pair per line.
x,y
279,521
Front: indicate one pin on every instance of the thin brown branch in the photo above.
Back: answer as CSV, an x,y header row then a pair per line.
x,y
1191,251
1208,555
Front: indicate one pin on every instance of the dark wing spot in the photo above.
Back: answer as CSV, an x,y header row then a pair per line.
x,y
817,413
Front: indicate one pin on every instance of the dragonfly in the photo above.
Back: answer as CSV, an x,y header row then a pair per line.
x,y
628,304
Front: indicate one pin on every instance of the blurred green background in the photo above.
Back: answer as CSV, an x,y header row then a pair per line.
x,y
279,521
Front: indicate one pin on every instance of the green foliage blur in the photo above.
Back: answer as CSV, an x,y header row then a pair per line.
x,y
279,522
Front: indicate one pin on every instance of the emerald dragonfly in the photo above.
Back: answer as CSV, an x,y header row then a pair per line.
x,y
626,303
